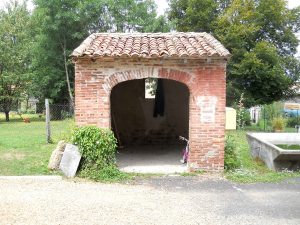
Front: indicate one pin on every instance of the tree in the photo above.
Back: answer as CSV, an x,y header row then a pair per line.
x,y
260,34
193,15
61,25
196,15
131,15
264,72
161,24
260,76
15,45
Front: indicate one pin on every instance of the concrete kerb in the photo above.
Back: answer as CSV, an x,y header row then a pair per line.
x,y
33,178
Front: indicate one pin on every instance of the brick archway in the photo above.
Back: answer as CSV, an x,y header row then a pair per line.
x,y
116,80
136,121
163,73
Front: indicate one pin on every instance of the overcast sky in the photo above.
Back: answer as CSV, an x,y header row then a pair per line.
x,y
162,4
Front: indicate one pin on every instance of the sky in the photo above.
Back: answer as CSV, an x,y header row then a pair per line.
x,y
162,4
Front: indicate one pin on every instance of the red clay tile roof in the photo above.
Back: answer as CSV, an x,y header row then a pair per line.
x,y
151,45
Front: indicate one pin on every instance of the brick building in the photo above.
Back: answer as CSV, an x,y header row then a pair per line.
x,y
187,72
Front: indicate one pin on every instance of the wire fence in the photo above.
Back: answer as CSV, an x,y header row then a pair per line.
x,y
35,111
61,111
274,117
38,112
266,118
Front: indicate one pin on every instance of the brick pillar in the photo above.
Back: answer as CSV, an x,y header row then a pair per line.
x,y
207,119
92,106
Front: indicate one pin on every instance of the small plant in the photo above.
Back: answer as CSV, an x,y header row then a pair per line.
x,y
278,123
107,174
98,150
231,160
242,114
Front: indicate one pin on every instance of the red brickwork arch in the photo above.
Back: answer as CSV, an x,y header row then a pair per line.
x,y
171,74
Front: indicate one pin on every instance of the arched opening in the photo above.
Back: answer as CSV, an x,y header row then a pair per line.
x,y
147,117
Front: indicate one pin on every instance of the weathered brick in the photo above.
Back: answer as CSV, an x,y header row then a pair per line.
x,y
205,81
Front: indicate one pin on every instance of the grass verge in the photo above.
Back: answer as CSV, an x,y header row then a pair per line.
x,y
23,151
23,147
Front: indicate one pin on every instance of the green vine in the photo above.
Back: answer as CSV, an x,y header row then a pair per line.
x,y
97,147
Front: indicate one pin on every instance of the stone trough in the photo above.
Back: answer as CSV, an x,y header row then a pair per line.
x,y
263,146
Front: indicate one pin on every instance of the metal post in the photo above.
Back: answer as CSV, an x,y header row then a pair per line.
x,y
48,130
297,117
264,119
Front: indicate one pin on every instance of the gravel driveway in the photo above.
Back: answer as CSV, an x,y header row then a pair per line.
x,y
165,200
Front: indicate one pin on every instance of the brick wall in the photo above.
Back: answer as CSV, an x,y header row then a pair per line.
x,y
94,80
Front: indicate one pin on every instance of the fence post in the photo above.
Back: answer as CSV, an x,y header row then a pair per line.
x,y
298,117
264,119
48,130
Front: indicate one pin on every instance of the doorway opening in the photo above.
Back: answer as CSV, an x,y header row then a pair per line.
x,y
147,117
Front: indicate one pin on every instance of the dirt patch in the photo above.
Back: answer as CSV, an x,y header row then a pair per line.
x,y
12,156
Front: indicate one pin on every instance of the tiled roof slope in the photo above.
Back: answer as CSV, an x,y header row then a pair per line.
x,y
151,45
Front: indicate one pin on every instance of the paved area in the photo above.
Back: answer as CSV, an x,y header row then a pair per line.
x,y
165,200
151,159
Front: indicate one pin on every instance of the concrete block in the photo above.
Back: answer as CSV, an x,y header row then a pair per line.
x,y
263,146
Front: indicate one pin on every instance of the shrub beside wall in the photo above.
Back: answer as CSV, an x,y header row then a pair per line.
x,y
98,150
231,160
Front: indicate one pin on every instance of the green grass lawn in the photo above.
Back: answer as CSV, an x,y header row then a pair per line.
x,y
253,170
23,148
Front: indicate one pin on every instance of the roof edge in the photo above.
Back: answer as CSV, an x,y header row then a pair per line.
x,y
214,43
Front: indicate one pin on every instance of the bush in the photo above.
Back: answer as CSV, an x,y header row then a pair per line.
x,y
278,123
231,160
98,149
293,121
247,118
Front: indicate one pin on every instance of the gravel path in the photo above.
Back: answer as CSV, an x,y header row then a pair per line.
x,y
166,200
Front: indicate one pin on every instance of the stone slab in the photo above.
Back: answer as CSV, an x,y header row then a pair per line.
x,y
70,160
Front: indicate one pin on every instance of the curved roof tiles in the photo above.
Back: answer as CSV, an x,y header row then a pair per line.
x,y
151,45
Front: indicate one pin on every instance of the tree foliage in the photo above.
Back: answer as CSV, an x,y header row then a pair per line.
x,y
36,47
61,25
260,34
193,15
15,55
